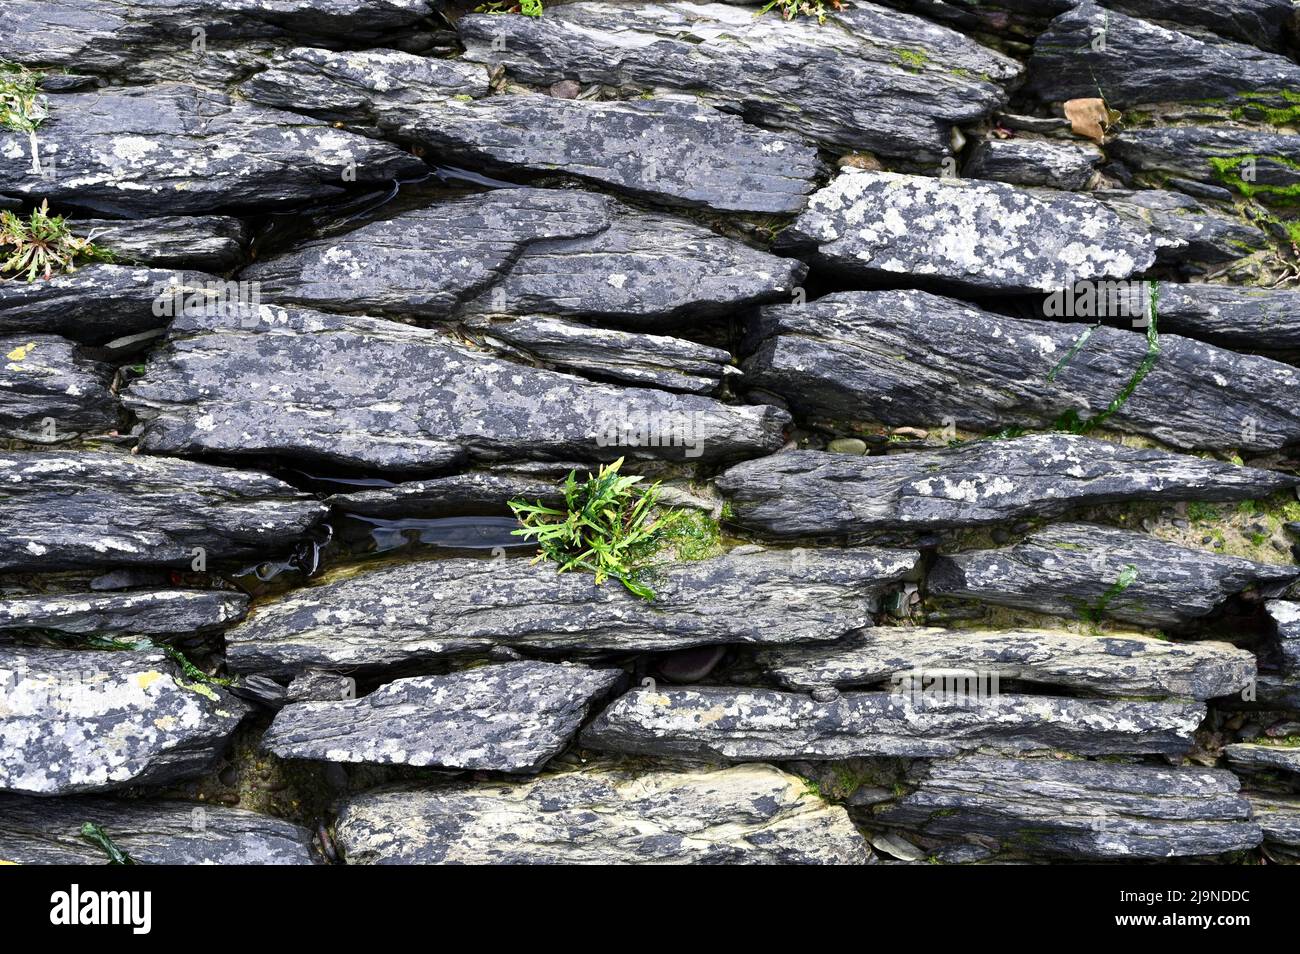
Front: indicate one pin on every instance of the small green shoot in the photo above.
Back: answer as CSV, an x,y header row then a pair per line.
x,y
99,838
42,245
529,8
1127,577
789,9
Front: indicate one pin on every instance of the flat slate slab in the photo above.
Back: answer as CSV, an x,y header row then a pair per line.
x,y
1251,757
875,79
884,226
63,510
387,396
1279,818
1185,231
1252,319
46,831
1102,665
909,357
1077,809
1081,569
73,722
745,814
175,149
1215,155
1286,616
513,717
417,612
211,243
742,724
811,493
133,613
528,252
51,390
1049,163
475,492
1139,63
679,152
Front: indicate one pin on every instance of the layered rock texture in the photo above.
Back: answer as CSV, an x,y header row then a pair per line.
x,y
642,432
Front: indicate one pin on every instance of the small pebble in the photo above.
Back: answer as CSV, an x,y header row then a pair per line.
x,y
825,694
565,89
847,445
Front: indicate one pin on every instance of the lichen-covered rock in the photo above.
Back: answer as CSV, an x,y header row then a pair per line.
x,y
884,226
1279,818
1112,665
46,831
674,151
212,243
512,717
1095,51
756,724
1286,617
1034,162
1080,569
140,612
909,357
750,814
417,612
523,252
176,149
51,390
74,722
64,510
1252,319
656,361
1185,231
1264,164
1076,809
380,394
871,79
811,493
97,303
1249,757
476,492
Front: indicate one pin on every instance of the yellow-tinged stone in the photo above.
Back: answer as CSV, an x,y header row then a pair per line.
x,y
147,679
21,351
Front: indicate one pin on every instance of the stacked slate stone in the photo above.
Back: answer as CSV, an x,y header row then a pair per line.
x,y
971,326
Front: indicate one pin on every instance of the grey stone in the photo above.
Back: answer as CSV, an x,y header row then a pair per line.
x,y
1250,758
1142,63
417,612
64,510
142,612
908,357
51,390
211,243
756,724
884,226
46,831
872,80
751,814
1074,569
1286,617
673,151
1251,319
512,717
810,493
1185,231
176,149
1077,809
470,493
275,381
1034,162
657,361
1112,665
73,722
524,252
319,685
1278,817
1192,151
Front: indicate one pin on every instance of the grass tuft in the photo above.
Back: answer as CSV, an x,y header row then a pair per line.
x,y
42,245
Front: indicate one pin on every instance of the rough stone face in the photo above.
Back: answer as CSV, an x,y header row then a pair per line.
x,y
1141,63
143,612
745,814
1105,665
513,717
678,152
1192,152
1077,809
45,831
1078,569
213,243
1279,818
810,493
63,510
1286,616
874,80
1253,319
908,357
75,722
1250,758
657,361
1185,231
51,390
384,395
176,149
888,227
476,492
1034,162
528,251
95,303
756,724
416,612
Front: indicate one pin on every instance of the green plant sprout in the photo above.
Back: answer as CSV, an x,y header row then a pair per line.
x,y
607,527
22,107
99,838
43,244
789,9
529,8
